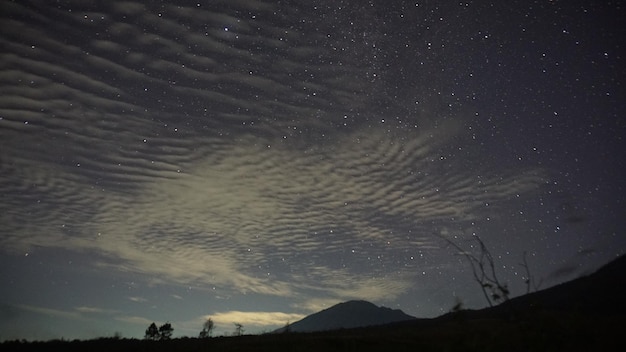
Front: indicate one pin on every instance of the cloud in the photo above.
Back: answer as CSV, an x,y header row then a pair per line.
x,y
253,319
255,202
138,299
135,320
82,312
259,188
51,311
94,310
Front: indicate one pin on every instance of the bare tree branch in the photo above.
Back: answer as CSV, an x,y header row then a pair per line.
x,y
484,271
529,279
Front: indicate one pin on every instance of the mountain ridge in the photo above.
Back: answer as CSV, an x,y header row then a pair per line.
x,y
346,315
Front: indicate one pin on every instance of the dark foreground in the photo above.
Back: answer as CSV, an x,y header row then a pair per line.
x,y
585,314
541,332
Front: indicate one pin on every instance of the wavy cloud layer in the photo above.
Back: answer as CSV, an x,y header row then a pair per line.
x,y
167,140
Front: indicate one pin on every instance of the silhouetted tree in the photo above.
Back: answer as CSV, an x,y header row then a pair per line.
x,y
207,328
238,329
165,331
152,332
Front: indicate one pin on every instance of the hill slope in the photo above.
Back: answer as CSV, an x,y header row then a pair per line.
x,y
602,293
599,293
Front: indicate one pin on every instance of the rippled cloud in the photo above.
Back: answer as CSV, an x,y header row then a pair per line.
x,y
179,150
264,218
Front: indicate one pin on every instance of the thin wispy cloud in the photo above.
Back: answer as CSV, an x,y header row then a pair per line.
x,y
141,321
94,310
83,312
253,319
138,299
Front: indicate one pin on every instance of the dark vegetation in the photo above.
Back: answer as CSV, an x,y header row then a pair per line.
x,y
483,266
544,332
163,332
207,329
586,314
484,271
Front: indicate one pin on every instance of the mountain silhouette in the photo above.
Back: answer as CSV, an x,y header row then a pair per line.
x,y
351,314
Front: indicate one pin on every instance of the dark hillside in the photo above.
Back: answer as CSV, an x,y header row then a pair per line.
x,y
601,294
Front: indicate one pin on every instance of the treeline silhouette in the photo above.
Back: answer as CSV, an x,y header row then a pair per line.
x,y
163,332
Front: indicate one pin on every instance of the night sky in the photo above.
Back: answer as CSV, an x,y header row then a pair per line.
x,y
258,161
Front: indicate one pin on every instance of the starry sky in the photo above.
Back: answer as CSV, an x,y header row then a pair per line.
x,y
256,161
